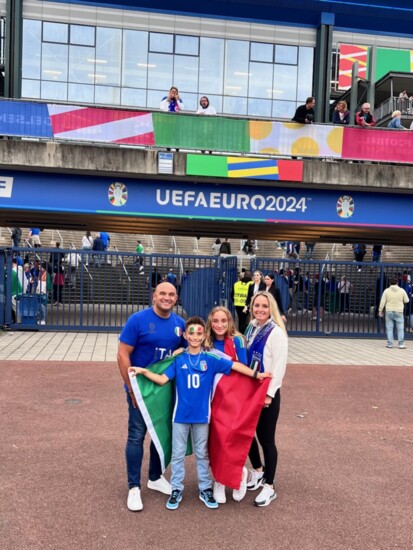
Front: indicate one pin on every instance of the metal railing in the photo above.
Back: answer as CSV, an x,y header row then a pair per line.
x,y
393,104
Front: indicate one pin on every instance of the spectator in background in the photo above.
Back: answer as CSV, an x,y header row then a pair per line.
x,y
139,250
396,122
319,294
403,100
344,288
393,300
16,236
364,118
248,247
225,247
56,260
34,237
73,259
106,239
216,247
87,244
309,250
205,108
239,297
341,114
172,278
376,252
359,253
172,103
305,113
98,246
272,288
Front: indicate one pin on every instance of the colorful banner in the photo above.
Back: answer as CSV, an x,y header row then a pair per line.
x,y
240,167
36,191
18,118
290,138
207,133
349,54
371,144
103,125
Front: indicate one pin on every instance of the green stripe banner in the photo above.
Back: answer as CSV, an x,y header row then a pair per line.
x,y
207,133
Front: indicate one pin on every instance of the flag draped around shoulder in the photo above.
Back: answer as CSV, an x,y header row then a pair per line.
x,y
236,405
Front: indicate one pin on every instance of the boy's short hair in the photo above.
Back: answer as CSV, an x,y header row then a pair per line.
x,y
195,320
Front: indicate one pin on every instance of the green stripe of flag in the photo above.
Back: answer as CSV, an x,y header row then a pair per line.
x,y
203,165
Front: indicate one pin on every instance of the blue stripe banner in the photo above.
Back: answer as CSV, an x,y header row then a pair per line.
x,y
18,118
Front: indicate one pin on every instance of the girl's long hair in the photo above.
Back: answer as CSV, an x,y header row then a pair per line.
x,y
231,330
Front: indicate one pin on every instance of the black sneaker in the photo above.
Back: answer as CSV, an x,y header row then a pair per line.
x,y
207,498
174,499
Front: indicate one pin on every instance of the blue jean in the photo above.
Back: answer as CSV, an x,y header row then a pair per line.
x,y
393,317
134,449
180,434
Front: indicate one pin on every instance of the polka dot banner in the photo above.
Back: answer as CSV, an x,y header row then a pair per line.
x,y
290,138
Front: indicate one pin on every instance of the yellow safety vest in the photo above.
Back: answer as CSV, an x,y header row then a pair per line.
x,y
241,292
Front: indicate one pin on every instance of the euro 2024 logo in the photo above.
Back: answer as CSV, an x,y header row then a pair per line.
x,y
345,206
117,194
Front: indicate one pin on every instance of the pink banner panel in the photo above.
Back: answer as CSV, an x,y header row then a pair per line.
x,y
379,145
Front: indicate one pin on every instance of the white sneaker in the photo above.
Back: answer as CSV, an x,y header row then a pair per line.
x,y
239,494
162,485
134,502
254,480
266,496
219,493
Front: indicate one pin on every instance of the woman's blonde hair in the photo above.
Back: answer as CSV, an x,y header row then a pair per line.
x,y
396,113
343,103
274,311
209,333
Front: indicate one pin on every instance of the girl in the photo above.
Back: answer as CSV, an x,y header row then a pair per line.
x,y
222,335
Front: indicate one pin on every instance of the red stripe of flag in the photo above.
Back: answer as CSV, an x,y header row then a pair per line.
x,y
290,170
84,118
142,139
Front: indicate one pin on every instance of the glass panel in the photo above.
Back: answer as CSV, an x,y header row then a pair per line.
x,y
283,109
261,80
259,107
55,32
163,43
108,95
81,93
211,73
235,105
54,62
31,88
262,52
32,31
187,45
108,55
160,72
186,73
236,68
190,102
133,98
154,98
286,54
82,35
135,59
81,64
305,73
54,90
285,82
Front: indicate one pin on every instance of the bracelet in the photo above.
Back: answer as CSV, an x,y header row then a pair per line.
x,y
255,374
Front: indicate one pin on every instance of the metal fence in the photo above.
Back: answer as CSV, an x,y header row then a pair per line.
x,y
78,290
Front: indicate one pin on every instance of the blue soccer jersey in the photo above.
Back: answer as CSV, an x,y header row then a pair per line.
x,y
154,338
194,380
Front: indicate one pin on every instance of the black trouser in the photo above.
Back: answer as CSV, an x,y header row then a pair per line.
x,y
266,426
58,293
242,318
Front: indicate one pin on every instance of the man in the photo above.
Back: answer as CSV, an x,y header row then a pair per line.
x,y
139,250
172,278
98,246
16,236
239,297
364,118
393,300
225,247
73,259
34,237
149,336
205,108
305,113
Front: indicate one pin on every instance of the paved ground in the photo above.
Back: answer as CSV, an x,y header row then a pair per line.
x,y
345,439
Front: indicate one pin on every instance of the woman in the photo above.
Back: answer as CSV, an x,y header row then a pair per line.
x,y
341,114
87,244
172,103
267,345
258,280
216,247
396,123
275,293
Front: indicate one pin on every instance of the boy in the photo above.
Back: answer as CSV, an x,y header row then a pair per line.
x,y
194,370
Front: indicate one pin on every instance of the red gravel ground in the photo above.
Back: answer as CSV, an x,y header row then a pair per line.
x,y
345,478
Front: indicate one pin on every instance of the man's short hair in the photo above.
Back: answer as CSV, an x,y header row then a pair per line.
x,y
393,280
310,99
195,320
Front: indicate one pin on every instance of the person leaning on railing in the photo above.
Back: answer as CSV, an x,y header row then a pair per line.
x,y
396,123
172,103
365,118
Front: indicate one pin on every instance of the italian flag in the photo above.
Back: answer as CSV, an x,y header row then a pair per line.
x,y
236,406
